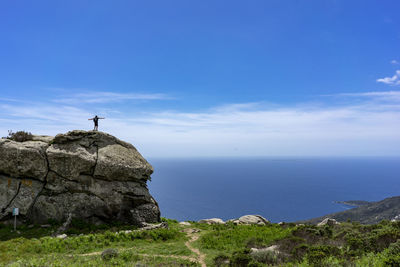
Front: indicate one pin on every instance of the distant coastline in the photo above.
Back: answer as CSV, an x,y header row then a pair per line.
x,y
353,203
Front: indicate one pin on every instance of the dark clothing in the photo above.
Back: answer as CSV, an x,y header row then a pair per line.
x,y
96,122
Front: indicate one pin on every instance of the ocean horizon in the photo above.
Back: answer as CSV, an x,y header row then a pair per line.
x,y
278,188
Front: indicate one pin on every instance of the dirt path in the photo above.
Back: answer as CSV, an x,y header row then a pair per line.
x,y
189,258
146,255
193,237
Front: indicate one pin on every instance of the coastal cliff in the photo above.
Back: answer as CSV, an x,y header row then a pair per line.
x,y
91,175
367,213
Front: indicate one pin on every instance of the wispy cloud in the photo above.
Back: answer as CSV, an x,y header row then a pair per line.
x,y
369,127
107,97
389,96
395,62
394,80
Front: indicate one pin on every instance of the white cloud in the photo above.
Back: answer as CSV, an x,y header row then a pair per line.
x,y
107,97
389,96
369,127
394,62
394,80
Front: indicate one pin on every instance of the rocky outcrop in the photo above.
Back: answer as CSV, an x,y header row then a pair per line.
x,y
92,175
328,221
251,219
245,220
212,221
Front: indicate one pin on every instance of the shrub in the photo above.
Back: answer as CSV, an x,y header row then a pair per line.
x,y
316,254
109,253
394,248
392,261
299,251
382,238
315,257
255,242
288,244
265,256
356,243
221,260
20,136
240,258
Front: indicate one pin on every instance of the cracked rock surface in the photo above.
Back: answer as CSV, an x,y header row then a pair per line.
x,y
93,175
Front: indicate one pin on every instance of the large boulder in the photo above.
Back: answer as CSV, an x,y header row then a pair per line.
x,y
251,219
92,175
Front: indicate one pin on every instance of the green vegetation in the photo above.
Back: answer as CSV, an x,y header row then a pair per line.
x,y
147,247
346,244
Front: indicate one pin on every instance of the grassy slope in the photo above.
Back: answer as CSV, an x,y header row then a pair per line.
x,y
348,243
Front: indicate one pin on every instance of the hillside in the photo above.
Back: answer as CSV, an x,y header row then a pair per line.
x,y
370,213
202,244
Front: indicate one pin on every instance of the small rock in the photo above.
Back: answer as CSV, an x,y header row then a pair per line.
x,y
109,253
185,223
45,226
328,221
63,236
273,248
396,218
148,226
190,230
212,221
31,226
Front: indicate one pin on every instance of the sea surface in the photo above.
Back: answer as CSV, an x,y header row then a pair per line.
x,y
280,189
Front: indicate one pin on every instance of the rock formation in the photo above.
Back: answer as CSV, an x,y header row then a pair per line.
x,y
251,219
92,175
246,220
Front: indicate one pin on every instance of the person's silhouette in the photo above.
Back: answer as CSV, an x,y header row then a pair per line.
x,y
96,119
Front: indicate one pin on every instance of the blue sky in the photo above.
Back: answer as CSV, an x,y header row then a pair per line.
x,y
207,78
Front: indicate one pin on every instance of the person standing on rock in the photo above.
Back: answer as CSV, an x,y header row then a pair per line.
x,y
96,122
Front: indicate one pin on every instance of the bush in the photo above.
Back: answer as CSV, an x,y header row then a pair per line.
x,y
392,261
265,256
221,260
255,242
240,258
394,248
316,254
299,251
109,253
382,238
20,136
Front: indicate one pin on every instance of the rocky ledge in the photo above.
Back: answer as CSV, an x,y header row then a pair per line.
x,y
91,175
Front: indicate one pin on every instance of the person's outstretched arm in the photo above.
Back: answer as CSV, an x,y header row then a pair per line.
x,y
101,118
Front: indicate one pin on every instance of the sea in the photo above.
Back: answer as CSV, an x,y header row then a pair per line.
x,y
280,189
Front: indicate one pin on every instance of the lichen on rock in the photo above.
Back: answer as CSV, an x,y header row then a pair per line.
x,y
93,175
